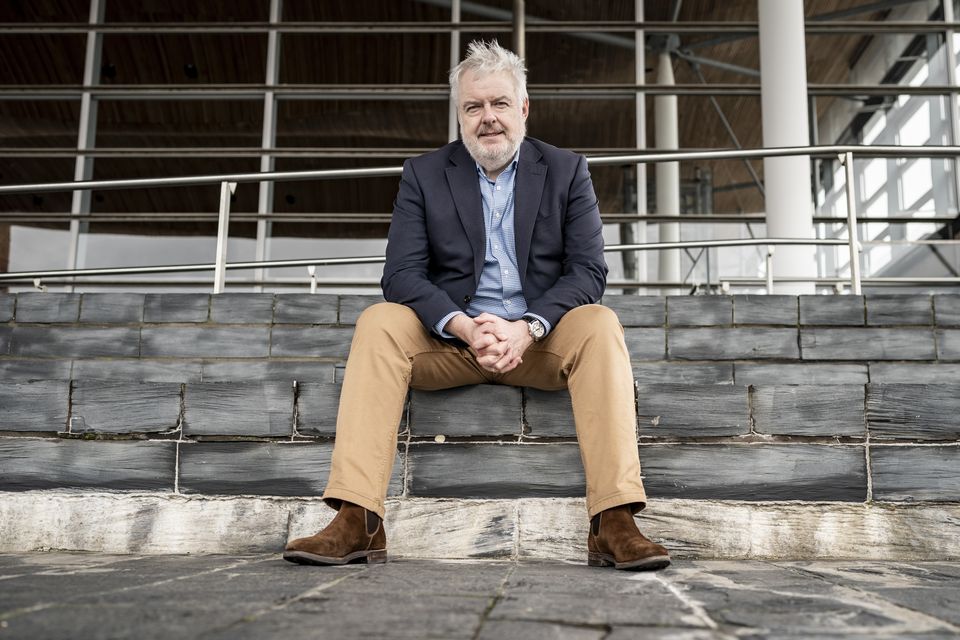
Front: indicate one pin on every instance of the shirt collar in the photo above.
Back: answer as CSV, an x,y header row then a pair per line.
x,y
512,166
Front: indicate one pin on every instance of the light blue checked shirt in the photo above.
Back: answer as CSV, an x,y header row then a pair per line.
x,y
499,291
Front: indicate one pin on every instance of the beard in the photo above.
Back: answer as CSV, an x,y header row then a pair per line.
x,y
496,156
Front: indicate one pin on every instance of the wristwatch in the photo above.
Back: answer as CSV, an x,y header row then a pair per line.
x,y
536,328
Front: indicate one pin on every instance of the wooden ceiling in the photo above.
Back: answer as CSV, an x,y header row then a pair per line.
x,y
315,125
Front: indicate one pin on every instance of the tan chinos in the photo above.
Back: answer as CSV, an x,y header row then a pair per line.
x,y
392,351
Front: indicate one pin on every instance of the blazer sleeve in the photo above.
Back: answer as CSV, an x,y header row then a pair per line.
x,y
406,271
584,270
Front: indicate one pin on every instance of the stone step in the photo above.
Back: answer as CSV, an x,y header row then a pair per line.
x,y
531,528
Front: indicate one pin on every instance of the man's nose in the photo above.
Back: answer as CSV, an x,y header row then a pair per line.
x,y
489,115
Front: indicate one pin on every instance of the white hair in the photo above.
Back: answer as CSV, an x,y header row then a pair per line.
x,y
489,57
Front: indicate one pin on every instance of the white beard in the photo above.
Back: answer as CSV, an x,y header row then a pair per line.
x,y
498,156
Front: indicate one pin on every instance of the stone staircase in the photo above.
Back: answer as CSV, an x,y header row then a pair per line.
x,y
768,427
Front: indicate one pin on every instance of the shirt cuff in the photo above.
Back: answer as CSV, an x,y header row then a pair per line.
x,y
546,325
438,328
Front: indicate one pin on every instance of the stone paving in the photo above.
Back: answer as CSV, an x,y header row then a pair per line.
x,y
72,595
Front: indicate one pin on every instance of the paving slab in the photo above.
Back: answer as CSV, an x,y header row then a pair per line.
x,y
62,595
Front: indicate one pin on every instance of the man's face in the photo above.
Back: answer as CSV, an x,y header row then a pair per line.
x,y
492,118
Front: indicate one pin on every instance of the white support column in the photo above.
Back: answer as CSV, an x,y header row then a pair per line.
x,y
954,99
783,89
268,139
668,173
86,137
636,268
453,126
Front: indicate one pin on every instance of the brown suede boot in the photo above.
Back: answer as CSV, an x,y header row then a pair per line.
x,y
354,535
616,541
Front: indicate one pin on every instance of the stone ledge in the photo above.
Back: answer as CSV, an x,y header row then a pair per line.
x,y
551,528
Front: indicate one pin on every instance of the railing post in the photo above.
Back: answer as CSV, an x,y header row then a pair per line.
x,y
847,160
223,233
769,262
312,270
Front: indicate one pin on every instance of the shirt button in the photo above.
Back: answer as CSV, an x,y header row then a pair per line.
x,y
498,187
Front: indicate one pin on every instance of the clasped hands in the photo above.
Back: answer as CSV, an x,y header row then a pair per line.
x,y
497,344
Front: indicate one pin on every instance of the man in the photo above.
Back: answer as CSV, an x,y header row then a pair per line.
x,y
494,265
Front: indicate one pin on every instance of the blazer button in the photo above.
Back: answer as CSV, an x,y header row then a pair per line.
x,y
467,299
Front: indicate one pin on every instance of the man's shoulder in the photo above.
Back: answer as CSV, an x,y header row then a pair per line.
x,y
437,157
554,157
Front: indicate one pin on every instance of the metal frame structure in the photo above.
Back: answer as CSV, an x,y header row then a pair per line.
x,y
517,23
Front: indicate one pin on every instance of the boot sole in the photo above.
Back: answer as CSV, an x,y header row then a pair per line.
x,y
643,564
374,556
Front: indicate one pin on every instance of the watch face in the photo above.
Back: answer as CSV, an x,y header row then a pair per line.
x,y
536,329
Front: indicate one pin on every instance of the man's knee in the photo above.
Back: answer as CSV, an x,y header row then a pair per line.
x,y
385,316
593,318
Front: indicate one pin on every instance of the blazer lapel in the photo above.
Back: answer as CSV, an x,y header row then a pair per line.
x,y
528,190
465,188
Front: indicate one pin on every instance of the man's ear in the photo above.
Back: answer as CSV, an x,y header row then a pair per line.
x,y
525,108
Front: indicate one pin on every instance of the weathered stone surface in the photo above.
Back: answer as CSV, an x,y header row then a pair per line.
x,y
755,471
317,404
241,308
645,343
176,307
286,371
947,309
324,342
7,302
124,407
305,308
137,370
687,373
238,409
5,333
111,307
699,311
552,529
759,373
638,311
914,372
914,411
916,473
774,309
692,410
34,406
48,307
75,342
809,410
732,344
522,470
476,410
352,306
899,309
948,344
866,344
832,310
451,528
27,463
12,370
548,413
206,342
258,468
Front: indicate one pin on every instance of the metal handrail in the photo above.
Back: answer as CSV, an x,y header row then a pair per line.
x,y
327,262
822,151
228,183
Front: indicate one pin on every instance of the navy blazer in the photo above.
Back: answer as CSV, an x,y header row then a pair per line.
x,y
436,243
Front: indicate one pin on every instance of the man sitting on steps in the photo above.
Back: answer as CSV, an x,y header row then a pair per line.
x,y
494,267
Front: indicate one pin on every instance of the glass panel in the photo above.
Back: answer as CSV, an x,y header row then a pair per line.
x,y
179,123
183,58
42,58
